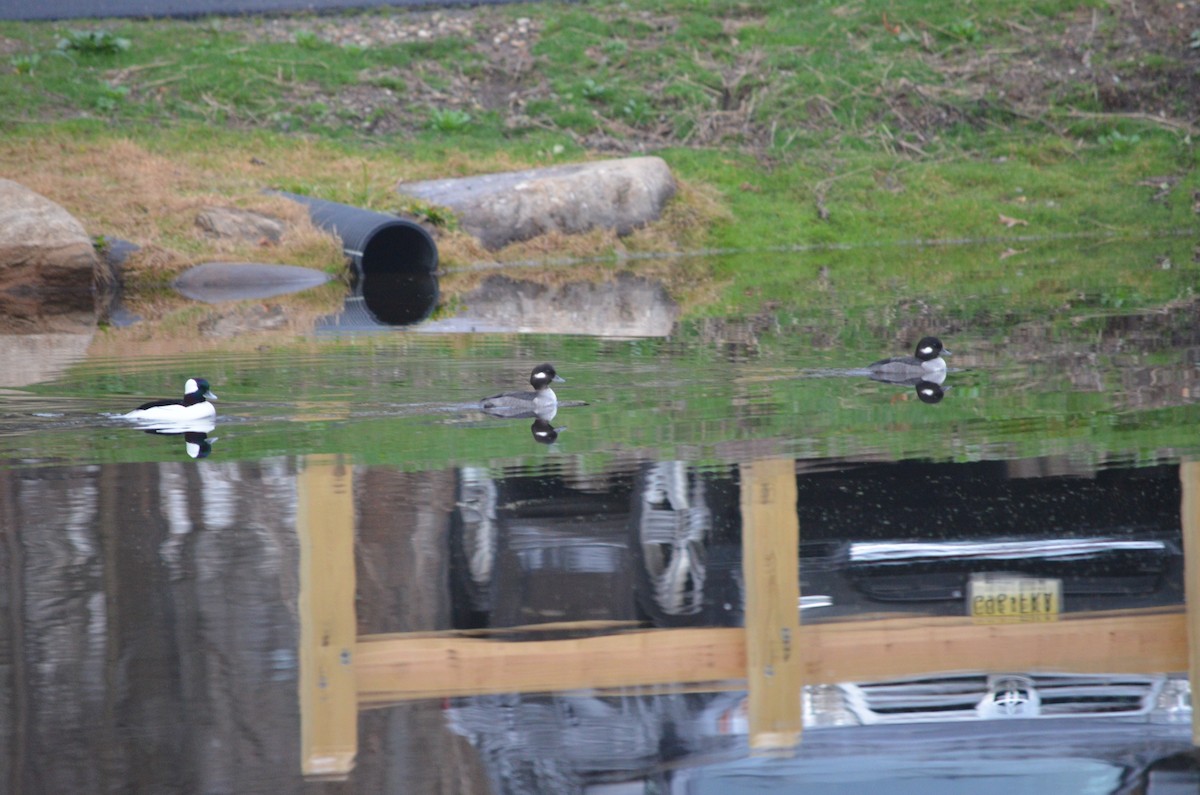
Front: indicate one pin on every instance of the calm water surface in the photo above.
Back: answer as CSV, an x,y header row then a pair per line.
x,y
186,614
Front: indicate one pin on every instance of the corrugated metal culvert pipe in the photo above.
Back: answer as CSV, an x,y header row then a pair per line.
x,y
395,260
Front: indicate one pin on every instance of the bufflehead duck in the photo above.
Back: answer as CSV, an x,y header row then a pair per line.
x,y
927,361
193,406
538,403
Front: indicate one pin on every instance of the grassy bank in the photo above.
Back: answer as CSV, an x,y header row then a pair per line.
x,y
866,125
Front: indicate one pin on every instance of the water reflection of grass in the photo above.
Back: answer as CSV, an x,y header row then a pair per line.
x,y
391,400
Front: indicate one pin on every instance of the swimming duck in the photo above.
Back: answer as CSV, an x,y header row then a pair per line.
x,y
193,406
540,402
926,362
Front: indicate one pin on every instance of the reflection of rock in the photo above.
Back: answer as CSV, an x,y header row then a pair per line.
x,y
47,265
504,208
232,223
35,358
213,282
627,306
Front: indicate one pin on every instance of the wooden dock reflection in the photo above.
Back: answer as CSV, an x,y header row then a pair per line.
x,y
772,656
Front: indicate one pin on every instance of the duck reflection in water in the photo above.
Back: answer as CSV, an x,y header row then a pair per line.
x,y
196,440
543,432
929,390
198,444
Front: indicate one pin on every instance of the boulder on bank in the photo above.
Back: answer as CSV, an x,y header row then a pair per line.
x,y
48,265
513,206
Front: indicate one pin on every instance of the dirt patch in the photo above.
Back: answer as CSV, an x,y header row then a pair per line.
x,y
1135,59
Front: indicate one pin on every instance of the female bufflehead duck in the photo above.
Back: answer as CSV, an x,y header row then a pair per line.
x,y
928,360
194,406
539,402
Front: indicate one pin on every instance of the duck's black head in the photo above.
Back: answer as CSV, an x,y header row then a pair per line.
x,y
543,375
197,390
929,348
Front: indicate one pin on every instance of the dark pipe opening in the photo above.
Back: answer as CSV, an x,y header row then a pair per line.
x,y
403,246
395,260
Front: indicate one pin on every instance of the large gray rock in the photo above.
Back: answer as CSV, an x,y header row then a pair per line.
x,y
517,205
47,265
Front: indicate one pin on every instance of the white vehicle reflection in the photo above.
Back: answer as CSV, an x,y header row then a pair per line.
x,y
1002,733
1024,732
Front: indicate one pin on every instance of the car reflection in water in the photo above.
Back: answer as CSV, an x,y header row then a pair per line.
x,y
979,733
661,543
991,733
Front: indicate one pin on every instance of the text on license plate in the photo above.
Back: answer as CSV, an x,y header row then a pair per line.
x,y
1003,599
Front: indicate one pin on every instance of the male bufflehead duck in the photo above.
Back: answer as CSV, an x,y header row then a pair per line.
x,y
194,406
538,403
927,361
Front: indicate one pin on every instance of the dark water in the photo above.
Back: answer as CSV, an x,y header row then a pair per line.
x,y
157,607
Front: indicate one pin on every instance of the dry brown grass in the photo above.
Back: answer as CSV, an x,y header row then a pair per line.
x,y
120,189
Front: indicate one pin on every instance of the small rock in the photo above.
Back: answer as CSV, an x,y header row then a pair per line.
x,y
231,223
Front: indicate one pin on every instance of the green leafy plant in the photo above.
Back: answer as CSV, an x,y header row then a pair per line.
x,y
596,92
449,120
93,42
1195,40
432,214
1118,142
965,30
25,64
307,40
110,96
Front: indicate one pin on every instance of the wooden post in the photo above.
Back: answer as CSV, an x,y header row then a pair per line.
x,y
771,566
328,689
1189,514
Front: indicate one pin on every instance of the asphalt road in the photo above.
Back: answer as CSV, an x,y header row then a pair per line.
x,y
83,9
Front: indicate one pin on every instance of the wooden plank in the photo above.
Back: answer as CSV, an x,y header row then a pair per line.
x,y
328,691
771,568
1131,642
1189,512
394,668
